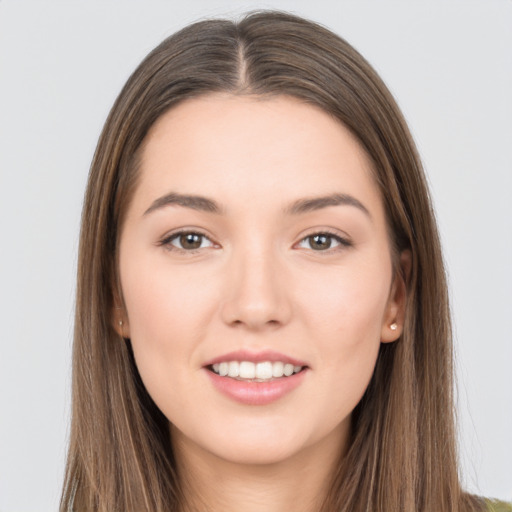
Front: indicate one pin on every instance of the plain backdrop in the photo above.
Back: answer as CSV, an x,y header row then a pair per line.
x,y
449,63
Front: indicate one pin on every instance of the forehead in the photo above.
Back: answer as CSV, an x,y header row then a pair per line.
x,y
248,149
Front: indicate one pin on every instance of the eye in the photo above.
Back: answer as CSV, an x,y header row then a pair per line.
x,y
323,242
187,241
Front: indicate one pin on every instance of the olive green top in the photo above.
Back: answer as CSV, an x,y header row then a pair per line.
x,y
498,506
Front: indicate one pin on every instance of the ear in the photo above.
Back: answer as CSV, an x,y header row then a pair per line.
x,y
394,315
119,318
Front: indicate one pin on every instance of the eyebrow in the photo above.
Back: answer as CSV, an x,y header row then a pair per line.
x,y
298,207
187,201
316,203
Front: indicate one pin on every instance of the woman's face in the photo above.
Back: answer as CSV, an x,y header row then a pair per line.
x,y
256,245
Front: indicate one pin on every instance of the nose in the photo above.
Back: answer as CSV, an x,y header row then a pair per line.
x,y
256,291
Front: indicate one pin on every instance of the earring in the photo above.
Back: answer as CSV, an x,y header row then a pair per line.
x,y
120,323
393,326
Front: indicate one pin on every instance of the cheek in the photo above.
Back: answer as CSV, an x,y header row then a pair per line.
x,y
168,318
348,304
345,319
166,304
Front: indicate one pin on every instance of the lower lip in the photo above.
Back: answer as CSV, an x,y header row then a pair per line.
x,y
256,393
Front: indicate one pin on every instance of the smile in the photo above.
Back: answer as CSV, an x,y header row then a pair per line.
x,y
264,371
252,378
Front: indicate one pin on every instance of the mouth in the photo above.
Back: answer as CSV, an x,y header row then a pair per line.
x,y
248,371
256,378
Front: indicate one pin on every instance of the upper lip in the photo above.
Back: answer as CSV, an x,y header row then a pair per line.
x,y
255,357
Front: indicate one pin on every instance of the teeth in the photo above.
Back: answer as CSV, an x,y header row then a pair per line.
x,y
288,369
264,370
233,369
247,370
278,369
223,369
259,371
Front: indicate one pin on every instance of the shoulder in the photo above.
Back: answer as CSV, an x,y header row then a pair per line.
x,y
498,506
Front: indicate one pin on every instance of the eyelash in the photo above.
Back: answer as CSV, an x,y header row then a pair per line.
x,y
166,242
344,243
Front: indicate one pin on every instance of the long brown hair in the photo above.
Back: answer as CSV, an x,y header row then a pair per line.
x,y
402,455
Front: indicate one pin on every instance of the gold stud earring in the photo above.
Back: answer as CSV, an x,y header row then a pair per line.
x,y
393,326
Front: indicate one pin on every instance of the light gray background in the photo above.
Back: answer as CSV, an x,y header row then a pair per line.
x,y
449,63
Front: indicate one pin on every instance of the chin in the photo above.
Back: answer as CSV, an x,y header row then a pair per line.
x,y
254,443
257,453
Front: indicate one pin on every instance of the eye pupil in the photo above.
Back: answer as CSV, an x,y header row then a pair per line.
x,y
319,242
190,240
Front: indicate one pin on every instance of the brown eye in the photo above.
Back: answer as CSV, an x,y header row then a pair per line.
x,y
190,241
320,242
324,242
187,241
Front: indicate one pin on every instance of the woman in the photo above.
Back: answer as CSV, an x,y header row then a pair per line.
x,y
262,320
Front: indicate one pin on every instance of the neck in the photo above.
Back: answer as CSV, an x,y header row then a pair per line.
x,y
299,483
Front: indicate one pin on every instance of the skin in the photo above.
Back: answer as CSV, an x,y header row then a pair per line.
x,y
256,283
